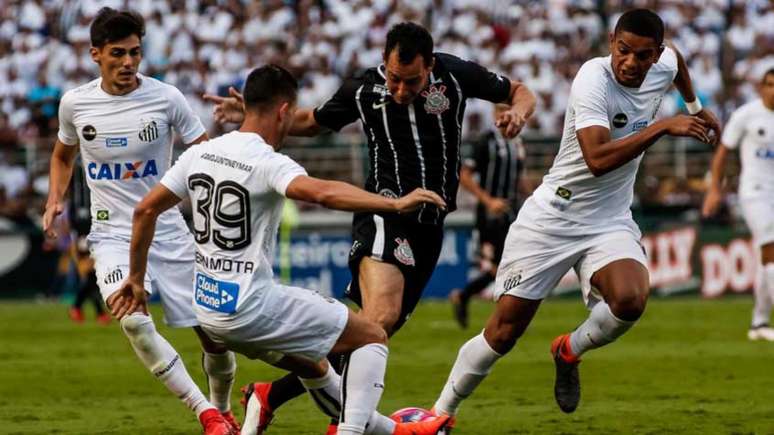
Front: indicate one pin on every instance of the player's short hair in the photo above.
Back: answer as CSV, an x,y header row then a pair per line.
x,y
411,39
267,86
111,25
641,22
769,72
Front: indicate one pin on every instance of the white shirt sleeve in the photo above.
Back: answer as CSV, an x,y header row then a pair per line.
x,y
67,134
184,120
588,96
280,171
668,62
176,177
733,132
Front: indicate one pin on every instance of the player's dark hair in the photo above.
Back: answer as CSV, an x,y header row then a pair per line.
x,y
769,72
410,39
641,22
268,85
111,25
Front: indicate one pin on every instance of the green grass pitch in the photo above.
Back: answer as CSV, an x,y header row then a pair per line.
x,y
687,367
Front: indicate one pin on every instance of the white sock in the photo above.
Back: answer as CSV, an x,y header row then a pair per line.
x,y
158,356
761,298
325,392
220,369
379,424
362,387
768,271
602,327
474,362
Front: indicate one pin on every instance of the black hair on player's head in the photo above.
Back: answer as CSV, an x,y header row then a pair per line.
x,y
111,25
410,39
268,85
641,22
769,72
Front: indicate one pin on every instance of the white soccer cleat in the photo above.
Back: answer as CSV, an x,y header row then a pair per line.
x,y
761,333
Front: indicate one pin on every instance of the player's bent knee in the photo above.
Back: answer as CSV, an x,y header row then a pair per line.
x,y
139,329
502,338
386,319
629,306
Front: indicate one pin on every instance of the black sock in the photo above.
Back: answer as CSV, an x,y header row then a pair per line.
x,y
284,389
477,285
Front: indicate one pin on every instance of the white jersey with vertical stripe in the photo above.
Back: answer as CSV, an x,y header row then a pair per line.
x,y
236,183
751,129
570,197
126,147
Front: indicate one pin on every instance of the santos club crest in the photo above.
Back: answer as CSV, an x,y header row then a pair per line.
x,y
436,101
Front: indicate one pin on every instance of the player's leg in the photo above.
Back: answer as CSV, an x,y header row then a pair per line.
x,y
616,284
381,292
476,357
532,265
460,299
151,348
764,296
171,267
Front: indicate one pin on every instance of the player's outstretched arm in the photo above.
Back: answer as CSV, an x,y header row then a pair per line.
x,y
131,296
603,155
343,196
232,109
522,102
714,194
60,173
685,87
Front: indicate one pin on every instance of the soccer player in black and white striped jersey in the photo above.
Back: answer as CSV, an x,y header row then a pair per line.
x,y
493,176
411,108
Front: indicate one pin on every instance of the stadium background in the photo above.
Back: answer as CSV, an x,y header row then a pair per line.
x,y
207,46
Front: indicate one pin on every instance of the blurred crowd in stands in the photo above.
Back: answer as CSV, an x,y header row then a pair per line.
x,y
207,46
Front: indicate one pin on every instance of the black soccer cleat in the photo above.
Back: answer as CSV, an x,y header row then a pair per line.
x,y
459,308
567,383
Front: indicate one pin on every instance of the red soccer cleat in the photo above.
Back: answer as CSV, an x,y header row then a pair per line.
x,y
436,425
449,425
333,429
214,423
229,417
258,414
75,314
103,319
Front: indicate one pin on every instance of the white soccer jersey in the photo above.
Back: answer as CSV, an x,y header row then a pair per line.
x,y
236,183
751,128
570,194
126,147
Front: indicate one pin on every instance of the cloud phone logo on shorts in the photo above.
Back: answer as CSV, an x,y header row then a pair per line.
x,y
220,296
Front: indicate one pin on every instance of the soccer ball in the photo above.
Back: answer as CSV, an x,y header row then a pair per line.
x,y
411,415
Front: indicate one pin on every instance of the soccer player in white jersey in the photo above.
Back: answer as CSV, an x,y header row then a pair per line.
x,y
237,184
579,217
122,125
751,129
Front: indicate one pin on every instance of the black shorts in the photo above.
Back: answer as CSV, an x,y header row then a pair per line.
x,y
412,247
494,231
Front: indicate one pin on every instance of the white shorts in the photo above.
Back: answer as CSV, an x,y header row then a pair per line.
x,y
170,273
283,321
533,262
759,216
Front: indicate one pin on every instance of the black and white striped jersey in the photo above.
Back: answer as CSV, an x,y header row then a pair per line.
x,y
498,161
418,144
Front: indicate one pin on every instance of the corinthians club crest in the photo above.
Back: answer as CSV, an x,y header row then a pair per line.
x,y
436,101
403,252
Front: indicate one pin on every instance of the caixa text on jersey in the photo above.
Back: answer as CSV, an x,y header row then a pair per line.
x,y
121,171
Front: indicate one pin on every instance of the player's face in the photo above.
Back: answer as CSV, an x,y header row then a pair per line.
x,y
405,82
767,90
632,57
118,62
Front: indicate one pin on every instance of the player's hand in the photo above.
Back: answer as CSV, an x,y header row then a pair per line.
x,y
689,126
496,206
130,298
415,199
512,123
711,203
712,123
227,109
53,209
